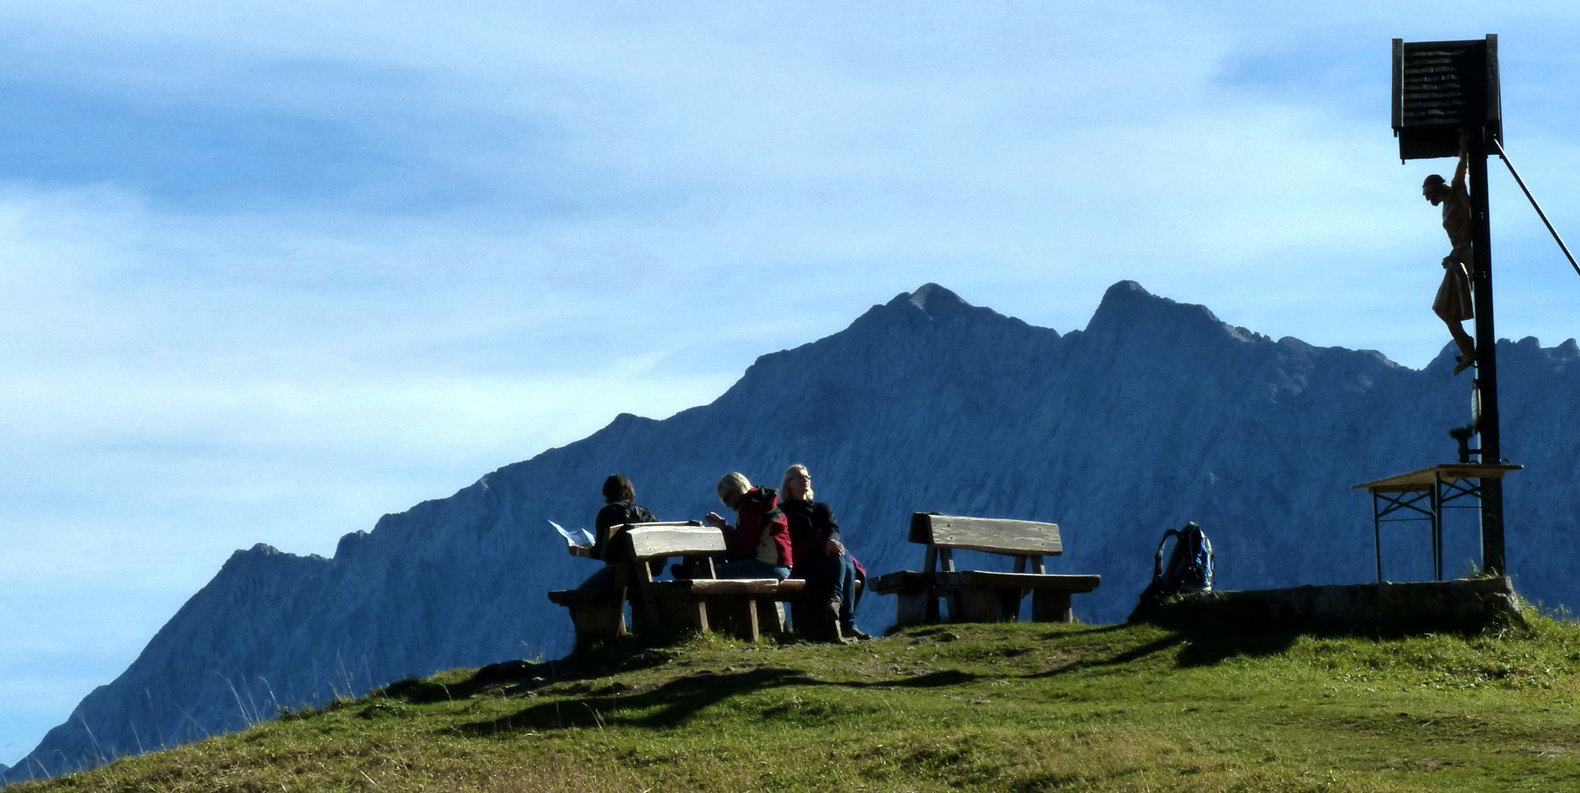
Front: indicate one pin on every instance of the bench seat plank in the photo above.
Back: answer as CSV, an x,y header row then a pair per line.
x,y
574,597
899,581
766,587
744,607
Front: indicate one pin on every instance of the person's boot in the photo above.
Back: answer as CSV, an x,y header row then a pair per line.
x,y
834,634
848,630
822,621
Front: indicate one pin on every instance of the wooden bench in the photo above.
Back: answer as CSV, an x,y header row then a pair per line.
x,y
980,595
598,613
744,607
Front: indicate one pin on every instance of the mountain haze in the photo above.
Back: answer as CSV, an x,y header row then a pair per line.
x,y
1155,414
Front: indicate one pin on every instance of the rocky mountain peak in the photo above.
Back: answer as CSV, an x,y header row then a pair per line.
x,y
1158,413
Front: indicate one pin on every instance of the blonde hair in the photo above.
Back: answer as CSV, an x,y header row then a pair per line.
x,y
784,486
733,484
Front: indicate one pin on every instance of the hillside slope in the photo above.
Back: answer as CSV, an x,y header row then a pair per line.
x,y
1155,414
1027,707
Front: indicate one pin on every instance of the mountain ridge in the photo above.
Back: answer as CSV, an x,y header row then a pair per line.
x,y
1156,413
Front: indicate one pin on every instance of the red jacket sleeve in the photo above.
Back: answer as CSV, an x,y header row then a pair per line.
x,y
759,513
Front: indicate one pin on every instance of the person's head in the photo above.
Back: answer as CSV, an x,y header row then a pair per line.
x,y
732,487
798,483
618,488
1435,189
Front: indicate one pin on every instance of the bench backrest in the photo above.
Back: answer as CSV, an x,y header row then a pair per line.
x,y
993,535
651,540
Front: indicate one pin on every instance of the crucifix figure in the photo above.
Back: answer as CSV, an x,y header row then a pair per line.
x,y
1453,302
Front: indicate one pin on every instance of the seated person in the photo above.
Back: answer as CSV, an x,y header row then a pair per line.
x,y
827,607
620,508
758,546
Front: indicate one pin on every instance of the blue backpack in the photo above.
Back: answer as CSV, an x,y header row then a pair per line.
x,y
1190,565
1189,568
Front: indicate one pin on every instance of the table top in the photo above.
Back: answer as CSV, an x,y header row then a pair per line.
x,y
1427,478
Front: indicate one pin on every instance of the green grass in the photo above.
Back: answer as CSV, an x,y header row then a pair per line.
x,y
1018,707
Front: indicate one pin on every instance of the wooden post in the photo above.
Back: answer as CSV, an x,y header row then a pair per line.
x,y
1492,546
975,604
916,606
1051,605
1440,88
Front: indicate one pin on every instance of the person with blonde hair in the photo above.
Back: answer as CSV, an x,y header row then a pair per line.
x,y
827,608
758,545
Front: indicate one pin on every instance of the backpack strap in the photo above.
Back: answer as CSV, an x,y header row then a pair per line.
x,y
1157,562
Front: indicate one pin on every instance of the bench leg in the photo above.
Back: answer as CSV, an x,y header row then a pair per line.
x,y
979,604
910,607
957,606
1051,606
738,615
771,616
597,622
649,612
684,611
1009,603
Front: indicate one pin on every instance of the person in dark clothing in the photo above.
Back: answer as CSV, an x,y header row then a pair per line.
x,y
828,603
620,508
758,545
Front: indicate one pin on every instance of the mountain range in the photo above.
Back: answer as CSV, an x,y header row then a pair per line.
x,y
1156,413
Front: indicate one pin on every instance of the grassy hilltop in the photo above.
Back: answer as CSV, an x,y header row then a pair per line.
x,y
1018,707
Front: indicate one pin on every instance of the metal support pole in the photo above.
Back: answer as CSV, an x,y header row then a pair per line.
x,y
1437,526
1492,557
1536,206
1377,536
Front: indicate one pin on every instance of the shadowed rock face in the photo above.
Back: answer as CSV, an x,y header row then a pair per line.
x,y
1156,414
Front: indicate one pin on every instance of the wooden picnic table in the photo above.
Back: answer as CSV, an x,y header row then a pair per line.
x,y
1423,495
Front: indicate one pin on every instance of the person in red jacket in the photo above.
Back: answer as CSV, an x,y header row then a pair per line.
x,y
758,545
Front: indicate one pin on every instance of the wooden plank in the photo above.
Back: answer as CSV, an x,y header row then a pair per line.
x,y
598,621
993,535
899,581
1426,478
620,528
759,587
911,606
771,616
977,604
738,615
986,578
1050,605
646,541
597,615
570,597
681,611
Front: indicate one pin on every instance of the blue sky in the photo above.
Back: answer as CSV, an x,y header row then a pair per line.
x,y
271,270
